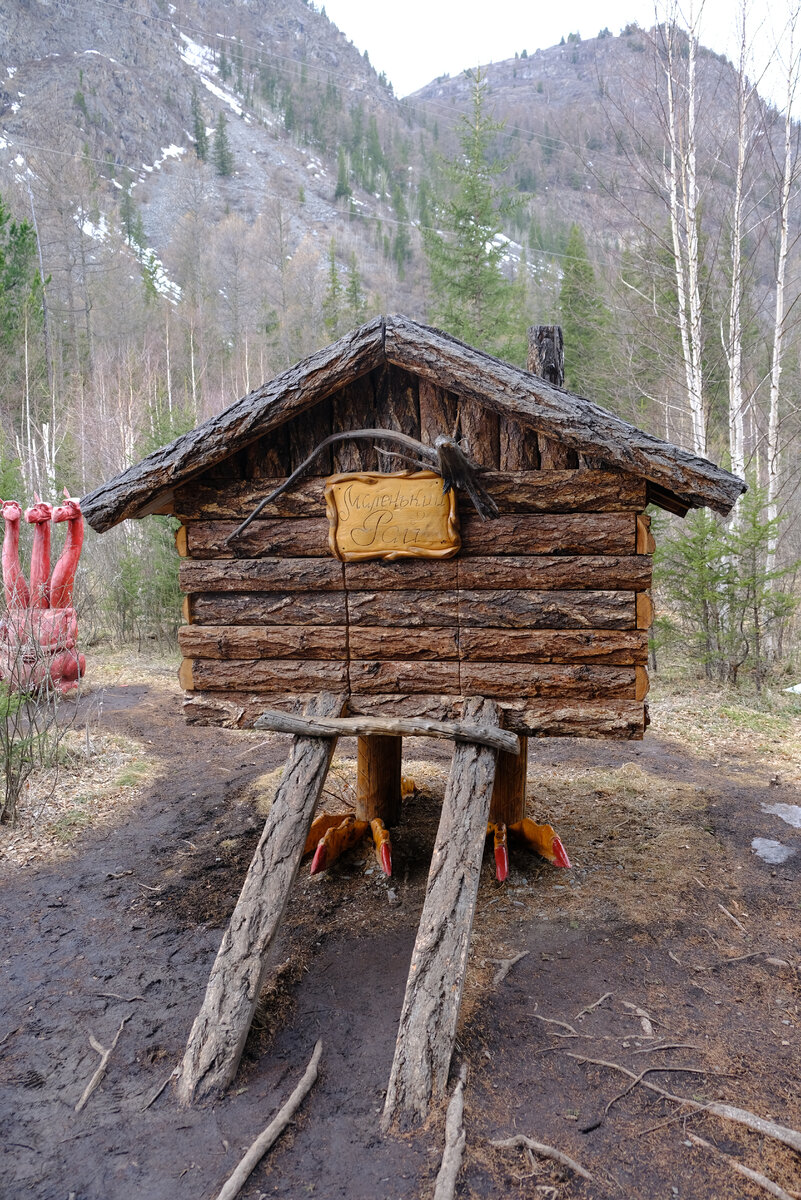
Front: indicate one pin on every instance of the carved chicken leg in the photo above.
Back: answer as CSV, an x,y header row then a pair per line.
x,y
336,840
542,838
383,845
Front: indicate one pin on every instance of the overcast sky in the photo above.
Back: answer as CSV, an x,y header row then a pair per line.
x,y
414,41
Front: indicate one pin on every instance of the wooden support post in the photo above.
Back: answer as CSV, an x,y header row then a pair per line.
x,y
378,779
218,1035
430,1012
509,792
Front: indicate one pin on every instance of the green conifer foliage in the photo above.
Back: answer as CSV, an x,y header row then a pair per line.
x,y
472,297
223,157
332,301
20,284
199,128
343,190
584,318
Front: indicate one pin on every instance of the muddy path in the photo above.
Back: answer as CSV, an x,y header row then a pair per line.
x,y
691,938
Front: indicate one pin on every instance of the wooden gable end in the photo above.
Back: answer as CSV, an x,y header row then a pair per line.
x,y
544,609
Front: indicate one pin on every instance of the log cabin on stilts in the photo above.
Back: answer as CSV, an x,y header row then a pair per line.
x,y
364,599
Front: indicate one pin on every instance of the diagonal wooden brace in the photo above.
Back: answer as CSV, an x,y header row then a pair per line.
x,y
427,1029
218,1035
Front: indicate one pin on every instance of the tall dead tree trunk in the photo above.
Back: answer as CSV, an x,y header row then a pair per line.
x,y
430,1012
218,1035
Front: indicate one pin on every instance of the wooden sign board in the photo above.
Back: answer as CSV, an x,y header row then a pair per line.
x,y
403,515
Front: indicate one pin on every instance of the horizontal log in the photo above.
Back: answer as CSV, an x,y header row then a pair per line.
x,y
267,675
264,641
545,610
616,719
369,641
518,491
371,675
323,642
556,646
260,574
306,537
420,574
511,680
414,609
625,573
512,533
549,533
630,572
481,735
269,608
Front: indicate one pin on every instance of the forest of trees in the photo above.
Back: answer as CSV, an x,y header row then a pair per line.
x,y
684,322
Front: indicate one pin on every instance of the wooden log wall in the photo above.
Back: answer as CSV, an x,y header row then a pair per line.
x,y
545,609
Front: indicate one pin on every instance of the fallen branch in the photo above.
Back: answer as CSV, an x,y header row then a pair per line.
x,y
455,1139
645,1018
544,1151
571,1032
755,1177
732,917
590,1007
105,1055
234,1184
638,1079
505,965
173,1075
740,1116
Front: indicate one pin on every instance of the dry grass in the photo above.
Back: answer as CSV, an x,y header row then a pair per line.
x,y
98,777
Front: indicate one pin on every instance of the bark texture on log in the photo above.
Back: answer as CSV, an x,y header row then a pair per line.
x,y
269,608
353,408
263,641
518,447
437,411
219,1032
306,537
261,575
595,572
525,680
624,647
267,675
513,490
430,1011
557,533
619,719
479,426
543,610
439,960
414,645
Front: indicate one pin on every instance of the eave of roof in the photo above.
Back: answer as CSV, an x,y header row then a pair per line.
x,y
679,480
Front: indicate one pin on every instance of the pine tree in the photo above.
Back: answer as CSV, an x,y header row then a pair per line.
x,y
355,297
343,190
471,295
584,317
223,158
332,301
199,128
20,283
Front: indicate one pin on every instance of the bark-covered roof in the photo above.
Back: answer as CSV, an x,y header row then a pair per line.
x,y
677,479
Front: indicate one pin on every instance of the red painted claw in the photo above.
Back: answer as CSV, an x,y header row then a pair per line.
x,y
320,860
501,863
386,858
560,858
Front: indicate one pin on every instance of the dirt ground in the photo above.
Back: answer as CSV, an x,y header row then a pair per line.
x,y
682,944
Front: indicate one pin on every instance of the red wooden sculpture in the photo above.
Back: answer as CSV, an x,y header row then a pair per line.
x,y
14,582
39,630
